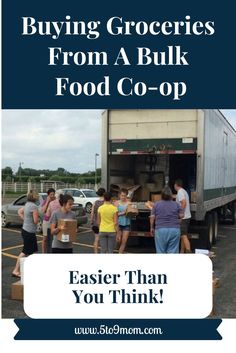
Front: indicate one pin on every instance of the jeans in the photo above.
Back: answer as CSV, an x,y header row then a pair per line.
x,y
167,240
107,242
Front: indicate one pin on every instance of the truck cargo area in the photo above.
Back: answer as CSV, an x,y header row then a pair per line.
x,y
152,172
152,148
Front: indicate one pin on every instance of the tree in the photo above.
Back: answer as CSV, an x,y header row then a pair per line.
x,y
55,177
32,179
8,178
7,174
7,171
61,171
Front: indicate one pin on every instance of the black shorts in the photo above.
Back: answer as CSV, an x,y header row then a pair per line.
x,y
184,225
95,229
62,251
30,245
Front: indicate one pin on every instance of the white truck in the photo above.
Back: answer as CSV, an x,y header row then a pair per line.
x,y
152,148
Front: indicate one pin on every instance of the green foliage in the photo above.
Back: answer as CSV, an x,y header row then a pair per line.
x,y
32,179
7,174
61,174
8,178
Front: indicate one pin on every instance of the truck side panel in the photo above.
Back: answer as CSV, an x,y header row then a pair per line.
x,y
219,154
216,177
220,161
152,124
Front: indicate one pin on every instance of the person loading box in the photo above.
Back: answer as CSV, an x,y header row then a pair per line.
x,y
59,247
182,199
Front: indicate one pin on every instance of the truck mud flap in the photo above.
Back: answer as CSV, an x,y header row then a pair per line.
x,y
199,237
205,231
142,244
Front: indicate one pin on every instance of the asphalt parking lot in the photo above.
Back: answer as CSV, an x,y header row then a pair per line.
x,y
224,264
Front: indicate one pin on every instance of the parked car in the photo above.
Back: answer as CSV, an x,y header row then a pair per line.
x,y
86,197
10,212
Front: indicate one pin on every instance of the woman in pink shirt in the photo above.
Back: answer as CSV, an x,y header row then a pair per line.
x,y
46,225
52,207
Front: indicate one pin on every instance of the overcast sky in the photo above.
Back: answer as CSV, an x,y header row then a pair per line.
x,y
48,139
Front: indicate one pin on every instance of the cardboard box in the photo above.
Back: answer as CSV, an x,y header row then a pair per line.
x,y
193,197
149,204
132,210
155,197
115,188
69,233
215,284
17,291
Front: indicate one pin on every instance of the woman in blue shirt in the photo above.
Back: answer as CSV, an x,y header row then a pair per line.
x,y
123,221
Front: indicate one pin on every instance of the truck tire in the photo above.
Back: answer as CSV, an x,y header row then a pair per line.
x,y
227,213
233,210
39,229
88,207
5,223
215,226
207,234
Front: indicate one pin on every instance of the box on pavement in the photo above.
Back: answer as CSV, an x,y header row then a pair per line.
x,y
22,262
69,233
17,289
215,284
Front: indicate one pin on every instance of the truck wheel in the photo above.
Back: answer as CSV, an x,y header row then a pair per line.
x,y
209,230
5,223
227,214
215,226
232,215
88,207
39,227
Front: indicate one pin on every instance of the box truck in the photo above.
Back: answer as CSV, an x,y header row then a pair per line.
x,y
145,150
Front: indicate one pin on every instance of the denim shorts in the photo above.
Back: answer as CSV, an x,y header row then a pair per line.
x,y
124,228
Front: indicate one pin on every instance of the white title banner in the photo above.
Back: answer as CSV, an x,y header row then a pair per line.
x,y
117,286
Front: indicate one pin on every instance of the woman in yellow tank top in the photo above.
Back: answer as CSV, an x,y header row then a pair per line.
x,y
107,222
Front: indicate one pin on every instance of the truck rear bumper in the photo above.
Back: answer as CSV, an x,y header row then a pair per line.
x,y
141,234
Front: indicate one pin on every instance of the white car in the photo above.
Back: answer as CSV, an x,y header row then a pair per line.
x,y
86,197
